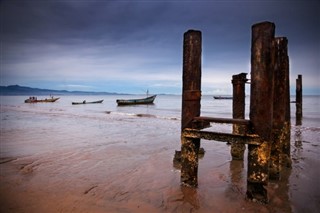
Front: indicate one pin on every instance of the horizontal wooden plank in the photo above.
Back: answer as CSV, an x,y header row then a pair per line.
x,y
223,120
222,137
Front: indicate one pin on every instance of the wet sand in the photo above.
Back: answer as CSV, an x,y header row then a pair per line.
x,y
130,169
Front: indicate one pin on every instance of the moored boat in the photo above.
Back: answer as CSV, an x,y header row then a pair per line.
x,y
88,102
147,100
36,100
222,97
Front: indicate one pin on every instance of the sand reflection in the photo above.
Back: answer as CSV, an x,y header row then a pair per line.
x,y
190,195
237,180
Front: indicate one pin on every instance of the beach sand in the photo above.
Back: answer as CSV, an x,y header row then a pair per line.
x,y
130,169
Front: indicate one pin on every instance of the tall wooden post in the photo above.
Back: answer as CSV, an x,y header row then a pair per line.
x,y
238,112
261,109
280,151
299,100
191,97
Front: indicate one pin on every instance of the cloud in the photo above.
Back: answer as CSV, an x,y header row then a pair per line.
x,y
140,43
77,87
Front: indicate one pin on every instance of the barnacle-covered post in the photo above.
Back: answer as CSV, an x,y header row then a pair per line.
x,y
280,151
191,97
238,112
261,109
299,100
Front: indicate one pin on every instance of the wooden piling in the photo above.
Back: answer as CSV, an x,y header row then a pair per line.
x,y
299,100
191,97
280,151
238,112
261,109
269,125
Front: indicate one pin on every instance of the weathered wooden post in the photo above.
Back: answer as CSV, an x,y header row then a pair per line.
x,y
191,97
238,112
261,109
299,100
280,151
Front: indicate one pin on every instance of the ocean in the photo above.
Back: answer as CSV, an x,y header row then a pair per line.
x,y
59,157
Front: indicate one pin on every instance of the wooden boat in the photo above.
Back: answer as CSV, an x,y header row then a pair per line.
x,y
222,97
88,102
147,100
35,100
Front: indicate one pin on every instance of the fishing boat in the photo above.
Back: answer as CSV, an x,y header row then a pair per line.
x,y
222,97
147,100
88,102
36,100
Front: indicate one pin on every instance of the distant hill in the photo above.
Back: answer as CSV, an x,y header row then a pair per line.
x,y
22,90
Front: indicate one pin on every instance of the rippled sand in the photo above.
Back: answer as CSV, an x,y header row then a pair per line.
x,y
124,164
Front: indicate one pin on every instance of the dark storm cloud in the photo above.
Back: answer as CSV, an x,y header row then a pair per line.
x,y
86,20
135,40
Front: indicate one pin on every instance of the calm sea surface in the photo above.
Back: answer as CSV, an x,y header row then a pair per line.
x,y
90,151
39,119
114,154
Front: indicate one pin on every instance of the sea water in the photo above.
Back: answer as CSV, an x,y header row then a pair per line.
x,y
134,145
42,126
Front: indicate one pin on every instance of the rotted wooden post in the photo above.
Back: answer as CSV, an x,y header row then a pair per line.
x,y
280,151
238,112
261,109
299,100
191,98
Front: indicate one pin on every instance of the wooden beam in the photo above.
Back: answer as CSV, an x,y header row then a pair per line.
x,y
223,120
222,137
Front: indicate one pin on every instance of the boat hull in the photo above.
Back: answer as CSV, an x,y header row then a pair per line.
x,y
49,100
85,102
222,97
148,100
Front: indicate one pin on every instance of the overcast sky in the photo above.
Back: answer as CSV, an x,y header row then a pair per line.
x,y
132,46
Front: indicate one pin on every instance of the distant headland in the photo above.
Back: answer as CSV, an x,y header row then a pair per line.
x,y
23,90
